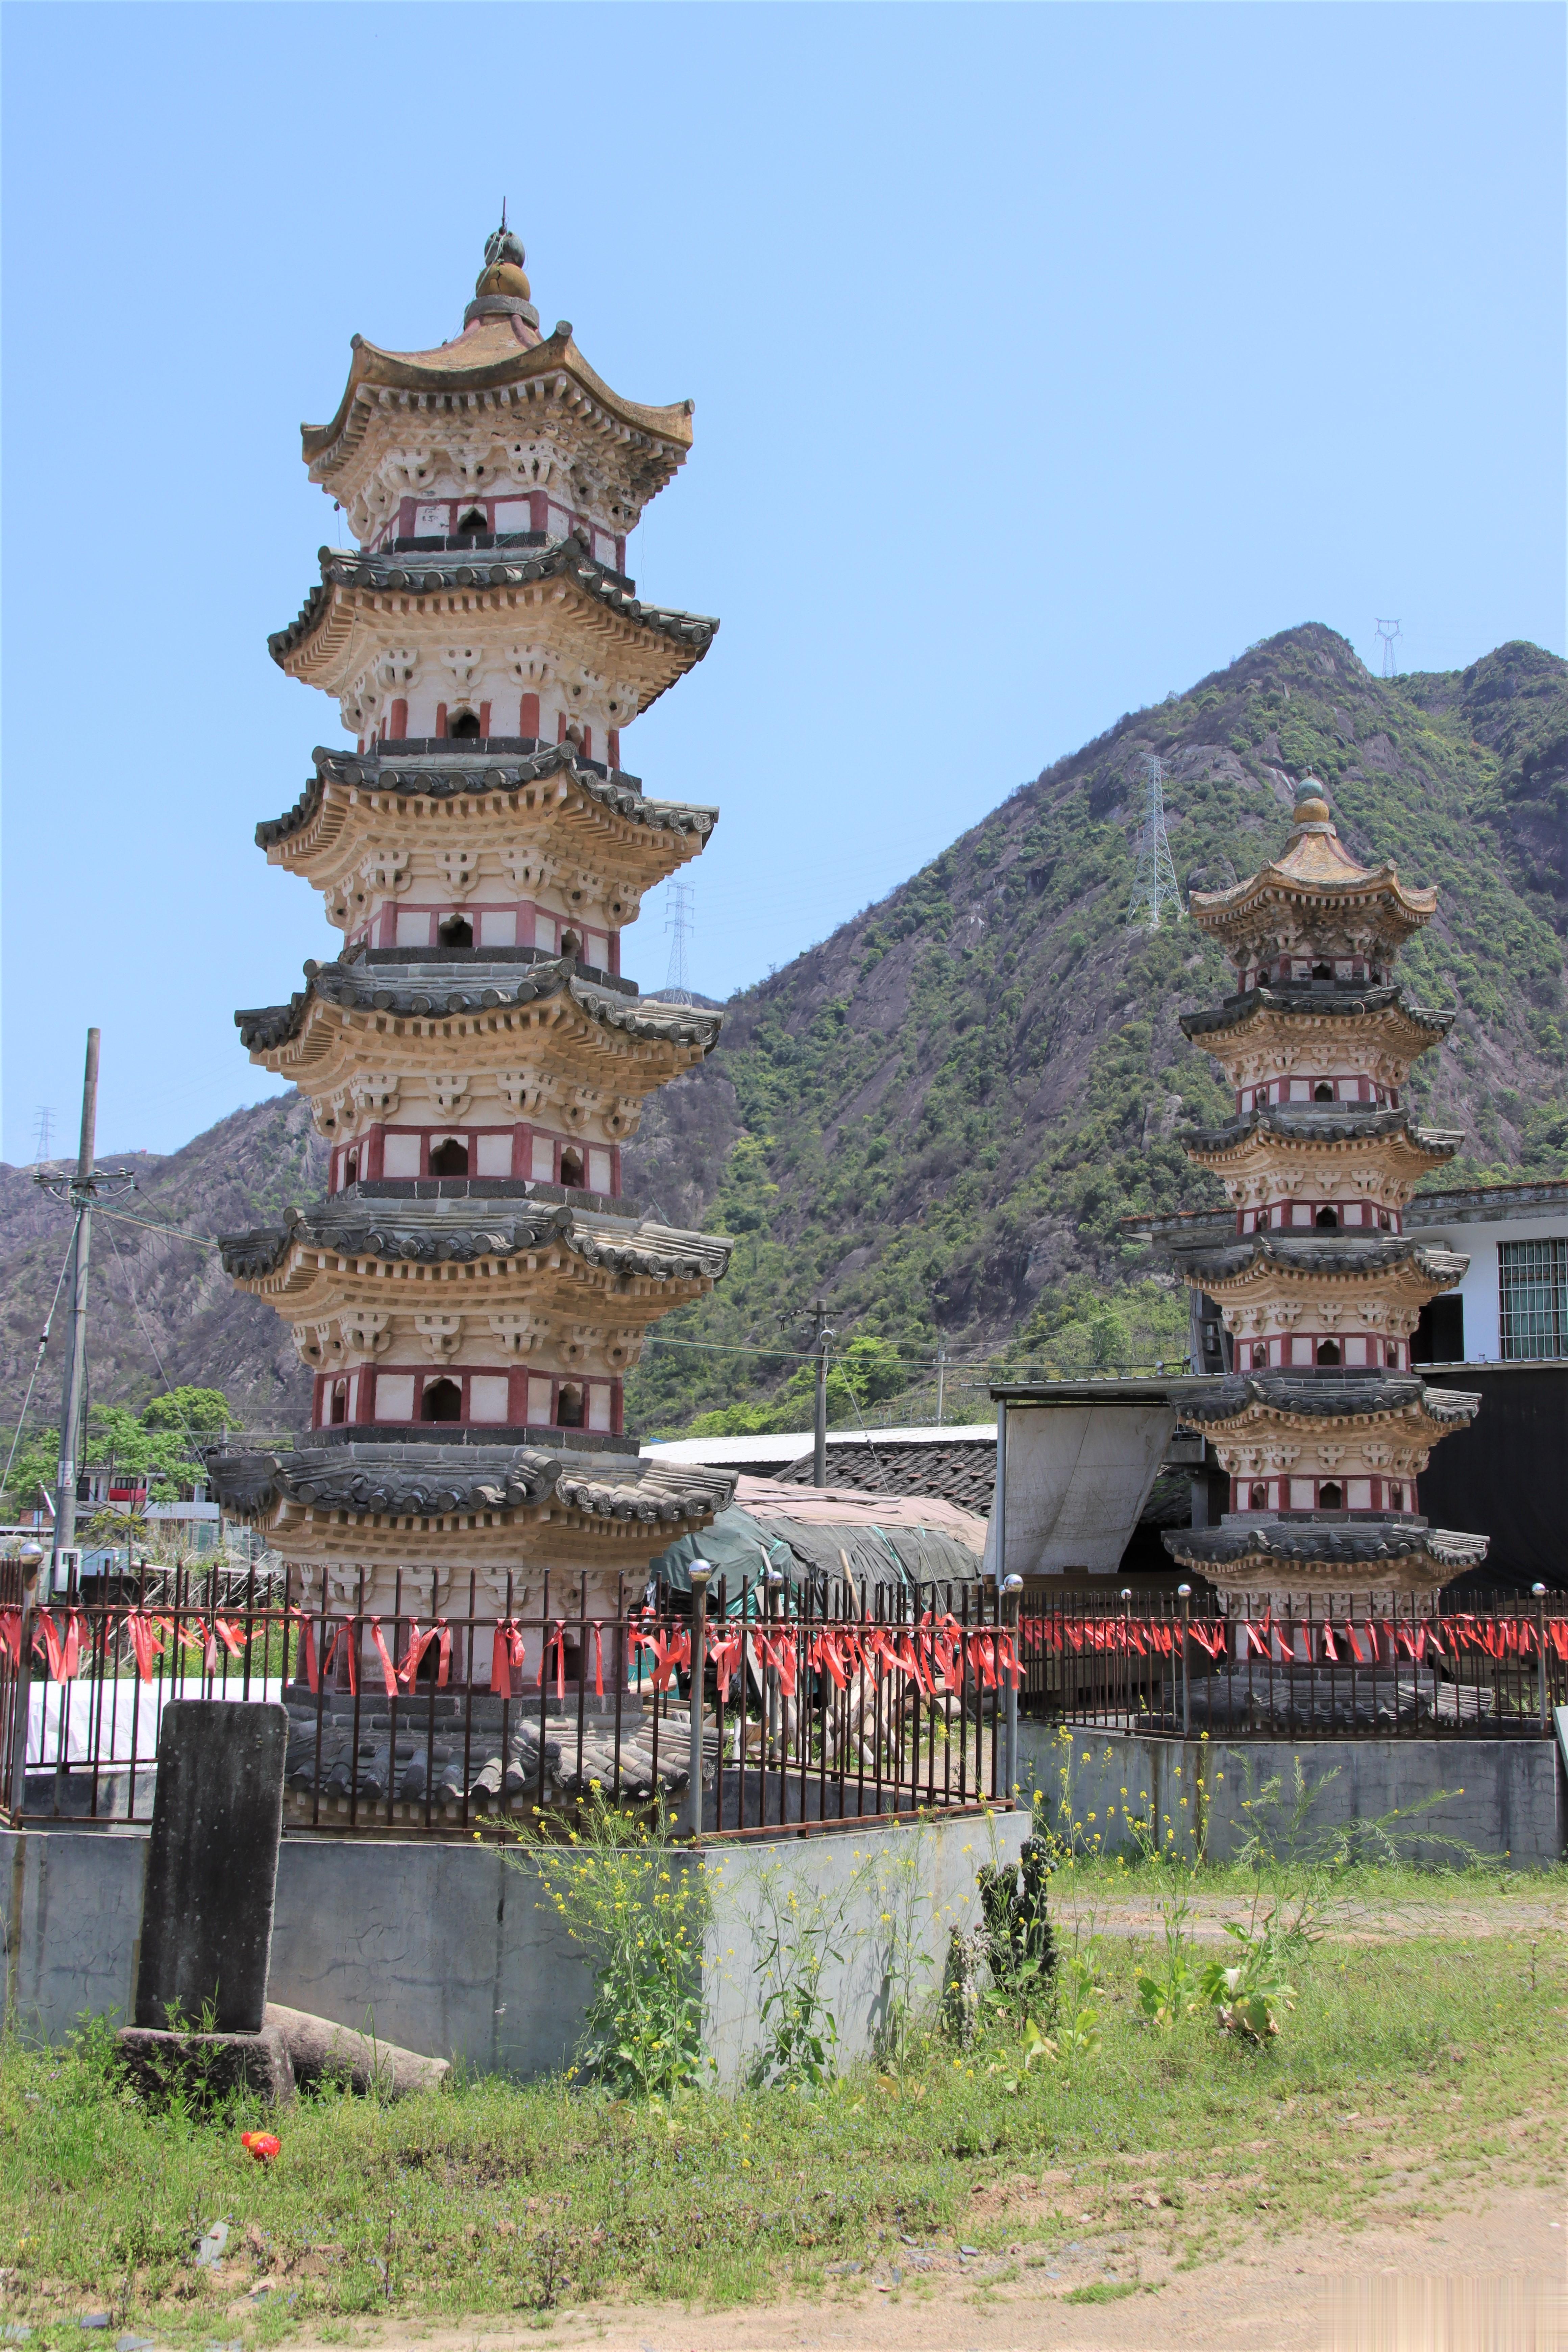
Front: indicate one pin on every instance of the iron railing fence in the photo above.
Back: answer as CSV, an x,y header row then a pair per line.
x,y
1373,1665
819,1703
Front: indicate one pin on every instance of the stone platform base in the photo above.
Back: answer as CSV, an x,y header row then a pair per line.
x,y
207,2066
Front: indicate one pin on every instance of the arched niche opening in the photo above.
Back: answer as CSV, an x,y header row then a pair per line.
x,y
450,1158
1328,1352
455,931
1324,1091
464,728
571,1166
442,1400
1258,1499
569,1405
1331,1496
1328,1220
471,521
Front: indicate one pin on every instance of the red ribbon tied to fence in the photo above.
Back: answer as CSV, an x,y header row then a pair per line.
x,y
11,1633
554,1648
506,1659
418,1642
142,1632
63,1650
724,1654
669,1650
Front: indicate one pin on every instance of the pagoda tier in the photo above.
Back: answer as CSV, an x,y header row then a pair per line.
x,y
1318,1166
520,430
524,636
474,1291
521,1297
1325,1044
503,1046
1322,1427
1313,914
1347,1298
513,846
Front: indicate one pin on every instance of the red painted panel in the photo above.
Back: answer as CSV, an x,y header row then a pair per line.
x,y
440,719
528,717
485,719
399,727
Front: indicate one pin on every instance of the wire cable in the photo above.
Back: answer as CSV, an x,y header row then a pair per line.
x,y
38,1358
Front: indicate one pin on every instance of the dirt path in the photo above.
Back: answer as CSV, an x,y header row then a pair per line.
x,y
1490,2280
1522,1917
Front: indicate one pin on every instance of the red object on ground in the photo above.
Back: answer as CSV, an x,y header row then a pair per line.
x,y
262,2146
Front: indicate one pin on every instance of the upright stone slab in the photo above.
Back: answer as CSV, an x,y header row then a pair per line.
x,y
206,1913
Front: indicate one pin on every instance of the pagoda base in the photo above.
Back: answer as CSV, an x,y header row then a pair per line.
x,y
1348,1555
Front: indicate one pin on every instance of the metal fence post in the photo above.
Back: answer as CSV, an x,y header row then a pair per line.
x,y
1012,1589
1540,1592
700,1572
1184,1594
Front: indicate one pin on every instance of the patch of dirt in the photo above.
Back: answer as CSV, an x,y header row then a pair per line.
x,y
1388,2287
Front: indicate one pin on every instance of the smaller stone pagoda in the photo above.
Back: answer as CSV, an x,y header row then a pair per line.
x,y
1322,1423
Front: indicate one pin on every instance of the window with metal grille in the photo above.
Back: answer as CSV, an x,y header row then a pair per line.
x,y
1532,1280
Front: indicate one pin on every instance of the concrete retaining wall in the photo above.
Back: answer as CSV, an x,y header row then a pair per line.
x,y
450,1949
1504,1798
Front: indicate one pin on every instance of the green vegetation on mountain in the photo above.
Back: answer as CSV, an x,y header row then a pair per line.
x,y
938,1119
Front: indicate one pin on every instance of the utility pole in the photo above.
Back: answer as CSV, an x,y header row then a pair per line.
x,y
79,1190
941,1372
820,1341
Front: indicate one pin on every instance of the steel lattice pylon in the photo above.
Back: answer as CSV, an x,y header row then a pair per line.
x,y
1154,889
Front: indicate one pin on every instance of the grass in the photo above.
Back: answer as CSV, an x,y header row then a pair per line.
x,y
1408,2075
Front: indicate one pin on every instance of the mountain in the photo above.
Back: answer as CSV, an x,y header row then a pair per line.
x,y
152,1298
937,1118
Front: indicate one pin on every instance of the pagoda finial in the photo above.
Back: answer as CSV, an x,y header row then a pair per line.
x,y
504,257
1311,805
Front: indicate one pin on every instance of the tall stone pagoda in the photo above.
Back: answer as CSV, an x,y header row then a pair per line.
x,y
1322,1423
475,1289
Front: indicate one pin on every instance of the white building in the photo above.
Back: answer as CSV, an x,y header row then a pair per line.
x,y
1512,1305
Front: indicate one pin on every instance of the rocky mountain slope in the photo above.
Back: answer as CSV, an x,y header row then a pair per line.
x,y
150,1296
937,1118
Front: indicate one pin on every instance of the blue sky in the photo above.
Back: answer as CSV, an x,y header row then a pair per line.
x,y
1043,358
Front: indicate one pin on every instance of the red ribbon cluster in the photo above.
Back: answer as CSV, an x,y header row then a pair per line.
x,y
935,1655
1340,1643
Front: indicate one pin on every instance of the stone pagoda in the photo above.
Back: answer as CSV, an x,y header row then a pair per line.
x,y
473,1292
1320,1421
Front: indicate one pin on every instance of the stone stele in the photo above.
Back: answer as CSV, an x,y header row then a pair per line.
x,y
206,1912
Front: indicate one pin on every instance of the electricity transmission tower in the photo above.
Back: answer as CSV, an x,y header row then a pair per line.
x,y
45,1136
1154,889
1388,631
678,922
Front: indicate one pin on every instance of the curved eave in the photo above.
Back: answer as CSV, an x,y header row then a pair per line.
x,y
488,358
322,647
1315,870
308,1246
338,990
378,782
1377,1545
1264,1135
1385,1007
505,1486
1311,1261
1242,1398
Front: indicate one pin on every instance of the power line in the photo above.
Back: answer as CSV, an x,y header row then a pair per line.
x,y
1389,631
1155,885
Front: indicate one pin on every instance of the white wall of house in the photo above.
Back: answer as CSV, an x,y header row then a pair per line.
x,y
1478,1239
